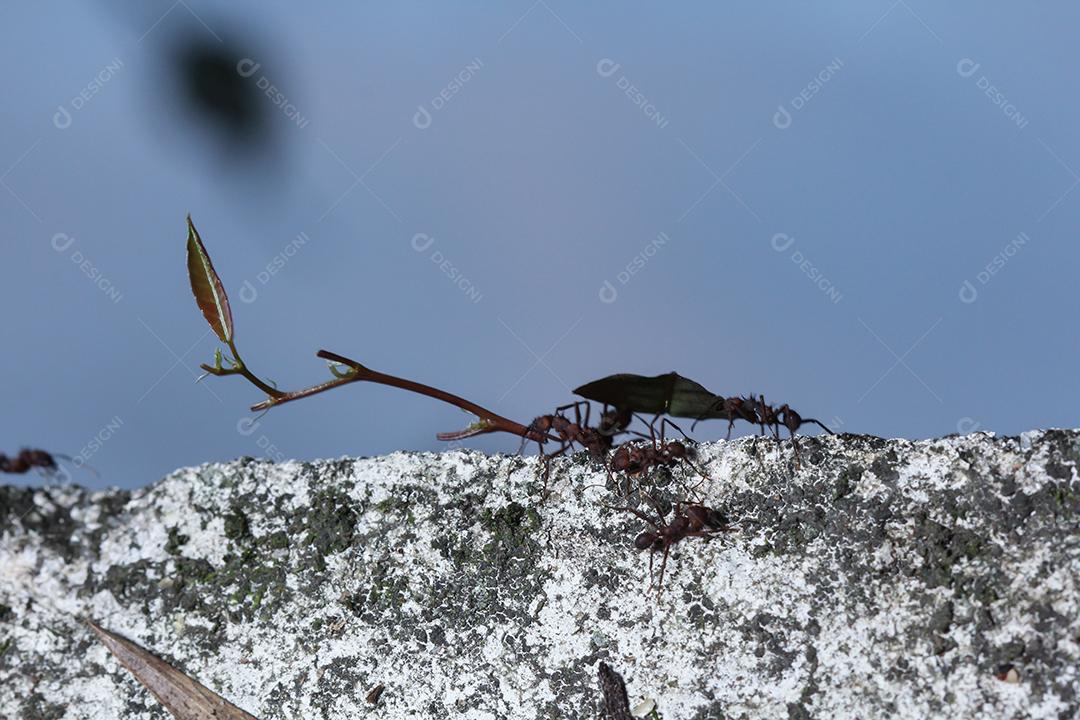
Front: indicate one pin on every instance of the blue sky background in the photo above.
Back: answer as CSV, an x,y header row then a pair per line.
x,y
896,174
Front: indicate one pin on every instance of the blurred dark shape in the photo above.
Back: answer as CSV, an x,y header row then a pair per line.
x,y
202,58
216,93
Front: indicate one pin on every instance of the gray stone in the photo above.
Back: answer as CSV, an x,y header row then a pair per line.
x,y
882,578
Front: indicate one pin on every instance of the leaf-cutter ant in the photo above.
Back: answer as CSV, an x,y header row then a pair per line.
x,y
758,412
29,458
596,440
26,460
638,459
693,520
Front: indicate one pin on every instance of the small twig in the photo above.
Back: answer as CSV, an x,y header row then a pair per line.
x,y
239,368
489,421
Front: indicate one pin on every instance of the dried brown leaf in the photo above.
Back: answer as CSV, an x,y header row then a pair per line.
x,y
184,697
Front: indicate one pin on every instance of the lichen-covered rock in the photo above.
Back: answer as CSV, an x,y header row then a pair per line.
x,y
881,578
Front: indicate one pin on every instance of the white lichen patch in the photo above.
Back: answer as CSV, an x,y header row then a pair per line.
x,y
878,578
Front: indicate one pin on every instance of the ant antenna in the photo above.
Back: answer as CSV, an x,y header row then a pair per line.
x,y
81,465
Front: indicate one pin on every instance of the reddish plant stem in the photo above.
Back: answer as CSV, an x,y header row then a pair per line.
x,y
489,421
252,377
239,368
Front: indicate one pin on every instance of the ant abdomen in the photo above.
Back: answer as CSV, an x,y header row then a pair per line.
x,y
701,517
646,540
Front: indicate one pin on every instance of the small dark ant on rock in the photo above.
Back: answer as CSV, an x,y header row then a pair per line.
x,y
693,520
26,460
757,412
29,459
748,408
793,420
784,415
638,459
597,441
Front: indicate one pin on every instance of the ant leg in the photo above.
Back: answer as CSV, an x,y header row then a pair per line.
x,y
71,461
577,411
652,430
641,420
699,471
628,488
763,409
659,510
719,401
710,534
560,451
795,447
637,512
547,476
537,438
657,445
819,424
692,491
663,565
679,429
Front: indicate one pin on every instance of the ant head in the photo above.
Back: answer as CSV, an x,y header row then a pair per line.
x,y
746,409
542,423
646,540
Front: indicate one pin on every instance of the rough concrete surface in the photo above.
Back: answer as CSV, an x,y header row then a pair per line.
x,y
881,578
